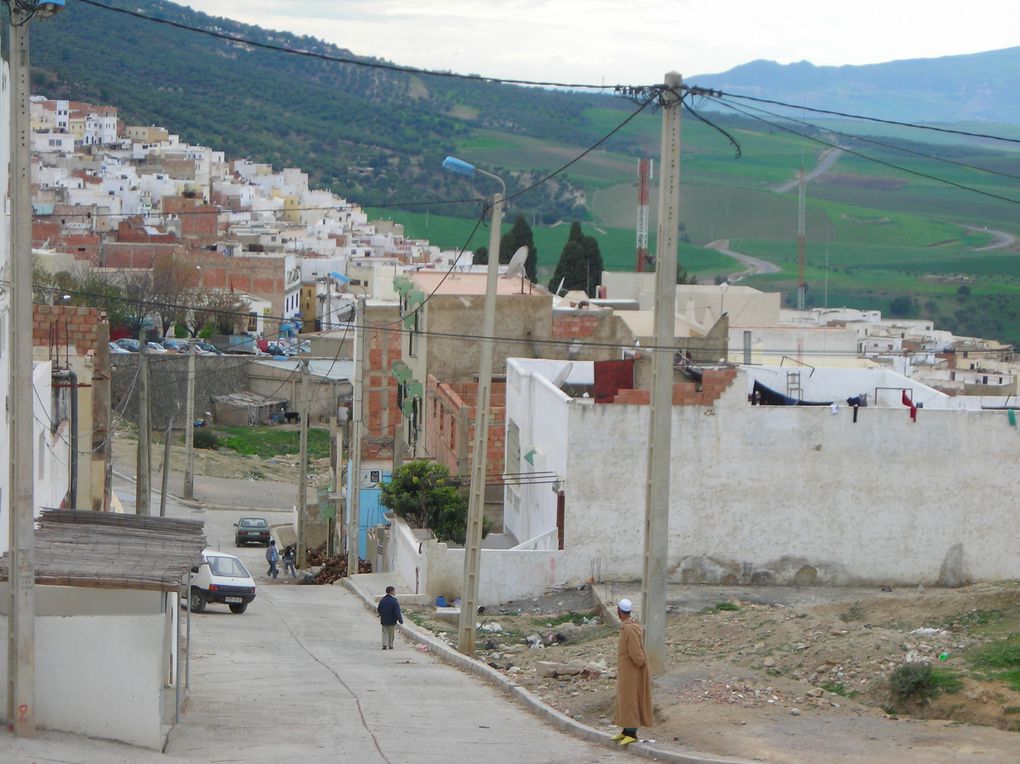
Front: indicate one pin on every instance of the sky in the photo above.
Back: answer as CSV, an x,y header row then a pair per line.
x,y
618,42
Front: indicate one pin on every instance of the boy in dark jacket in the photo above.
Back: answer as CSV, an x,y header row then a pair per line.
x,y
389,616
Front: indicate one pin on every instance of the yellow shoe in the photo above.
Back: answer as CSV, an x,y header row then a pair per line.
x,y
627,740
618,736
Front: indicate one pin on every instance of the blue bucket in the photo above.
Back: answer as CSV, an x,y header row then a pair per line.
x,y
440,601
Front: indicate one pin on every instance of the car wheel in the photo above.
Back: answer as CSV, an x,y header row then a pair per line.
x,y
197,600
238,607
238,542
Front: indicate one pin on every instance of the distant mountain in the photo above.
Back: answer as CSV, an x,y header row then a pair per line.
x,y
973,87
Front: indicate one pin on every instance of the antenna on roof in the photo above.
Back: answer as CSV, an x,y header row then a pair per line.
x,y
516,266
561,378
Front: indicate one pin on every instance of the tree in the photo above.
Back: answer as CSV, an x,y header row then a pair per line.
x,y
901,306
580,264
423,493
172,282
520,235
217,312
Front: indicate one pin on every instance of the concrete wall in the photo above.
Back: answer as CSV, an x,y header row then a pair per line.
x,y
168,383
800,495
99,663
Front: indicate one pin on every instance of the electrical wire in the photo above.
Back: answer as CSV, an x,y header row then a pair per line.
x,y
861,155
885,145
345,59
715,94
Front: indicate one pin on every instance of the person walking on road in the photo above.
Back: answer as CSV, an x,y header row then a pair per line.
x,y
272,557
389,616
633,706
288,561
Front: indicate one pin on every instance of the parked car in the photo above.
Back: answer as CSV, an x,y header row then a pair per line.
x,y
154,347
117,349
176,345
127,343
251,529
223,579
207,348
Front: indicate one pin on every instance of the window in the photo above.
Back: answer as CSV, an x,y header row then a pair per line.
x,y
253,322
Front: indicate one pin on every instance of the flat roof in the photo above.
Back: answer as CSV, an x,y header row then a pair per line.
x,y
457,283
113,551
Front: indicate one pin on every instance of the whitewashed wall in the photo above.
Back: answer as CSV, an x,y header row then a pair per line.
x,y
98,673
792,494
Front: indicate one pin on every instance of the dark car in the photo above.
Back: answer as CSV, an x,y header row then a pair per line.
x,y
251,529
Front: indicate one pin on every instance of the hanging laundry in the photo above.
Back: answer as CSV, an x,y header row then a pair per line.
x,y
855,402
1011,413
906,401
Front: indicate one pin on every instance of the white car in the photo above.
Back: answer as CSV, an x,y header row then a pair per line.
x,y
221,578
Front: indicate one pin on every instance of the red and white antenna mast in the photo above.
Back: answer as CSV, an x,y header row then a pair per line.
x,y
644,176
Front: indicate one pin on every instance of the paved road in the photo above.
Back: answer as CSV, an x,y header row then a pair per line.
x,y
754,264
826,160
301,677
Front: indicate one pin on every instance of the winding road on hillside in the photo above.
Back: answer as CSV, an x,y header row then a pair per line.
x,y
755,265
1000,239
826,160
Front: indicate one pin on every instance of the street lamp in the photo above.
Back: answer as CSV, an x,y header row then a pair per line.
x,y
21,711
476,497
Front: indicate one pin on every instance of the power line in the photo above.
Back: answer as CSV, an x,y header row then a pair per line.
x,y
345,59
886,145
861,155
717,94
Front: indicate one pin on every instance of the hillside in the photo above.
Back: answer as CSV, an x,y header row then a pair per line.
x,y
875,231
980,86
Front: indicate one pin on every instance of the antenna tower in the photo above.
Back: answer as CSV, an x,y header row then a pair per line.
x,y
801,255
644,175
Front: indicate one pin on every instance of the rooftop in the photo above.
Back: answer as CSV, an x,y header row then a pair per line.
x,y
456,283
113,551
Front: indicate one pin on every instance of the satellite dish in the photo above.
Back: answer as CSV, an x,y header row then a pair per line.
x,y
562,376
516,266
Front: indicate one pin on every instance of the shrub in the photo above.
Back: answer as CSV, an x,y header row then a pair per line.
x,y
920,682
206,439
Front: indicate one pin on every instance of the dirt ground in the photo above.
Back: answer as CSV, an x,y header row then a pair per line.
x,y
222,462
779,677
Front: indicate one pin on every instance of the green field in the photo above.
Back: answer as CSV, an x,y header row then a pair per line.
x,y
874,232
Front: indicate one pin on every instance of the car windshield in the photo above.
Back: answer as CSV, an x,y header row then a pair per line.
x,y
254,522
228,567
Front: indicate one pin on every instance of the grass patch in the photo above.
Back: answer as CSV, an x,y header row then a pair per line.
x,y
920,682
836,688
720,607
1000,660
268,442
974,618
855,613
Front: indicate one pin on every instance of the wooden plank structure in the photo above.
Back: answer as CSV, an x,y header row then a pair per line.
x,y
113,551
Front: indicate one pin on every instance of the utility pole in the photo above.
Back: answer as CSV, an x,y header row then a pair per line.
x,y
801,245
302,499
189,429
166,465
143,463
354,442
21,606
661,409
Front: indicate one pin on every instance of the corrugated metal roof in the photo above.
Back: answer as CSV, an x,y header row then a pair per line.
x,y
113,551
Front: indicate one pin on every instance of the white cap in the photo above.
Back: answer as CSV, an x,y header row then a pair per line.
x,y
624,605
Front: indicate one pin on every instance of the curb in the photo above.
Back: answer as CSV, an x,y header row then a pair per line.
x,y
557,719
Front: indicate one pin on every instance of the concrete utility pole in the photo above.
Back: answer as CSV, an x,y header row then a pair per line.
x,y
21,607
166,465
354,442
302,498
653,609
143,462
476,497
189,429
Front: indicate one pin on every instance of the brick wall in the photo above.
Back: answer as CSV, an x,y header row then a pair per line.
x,y
198,219
64,325
572,326
714,382
449,425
